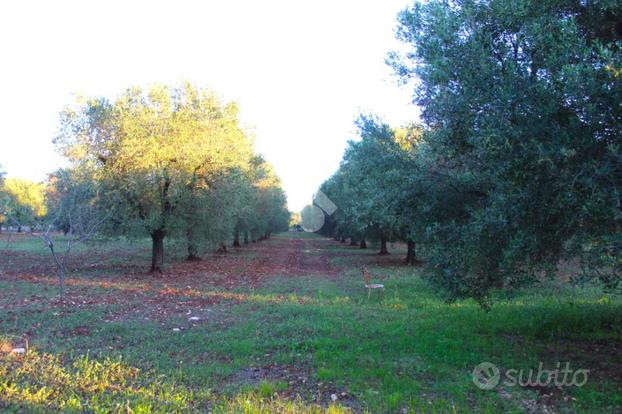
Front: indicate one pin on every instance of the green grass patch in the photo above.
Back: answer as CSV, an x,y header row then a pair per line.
x,y
295,343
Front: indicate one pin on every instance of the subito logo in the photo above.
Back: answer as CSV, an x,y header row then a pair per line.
x,y
312,216
486,376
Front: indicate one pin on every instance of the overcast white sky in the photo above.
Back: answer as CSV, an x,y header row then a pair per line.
x,y
301,71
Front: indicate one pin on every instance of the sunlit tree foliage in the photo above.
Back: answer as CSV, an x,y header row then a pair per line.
x,y
24,202
171,162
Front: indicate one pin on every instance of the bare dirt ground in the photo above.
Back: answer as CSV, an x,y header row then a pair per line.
x,y
247,265
92,278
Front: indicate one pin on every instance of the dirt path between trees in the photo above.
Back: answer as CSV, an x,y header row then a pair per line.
x,y
118,278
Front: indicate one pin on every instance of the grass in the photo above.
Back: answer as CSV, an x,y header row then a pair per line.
x,y
308,341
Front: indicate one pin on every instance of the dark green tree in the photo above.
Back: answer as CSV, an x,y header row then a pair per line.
x,y
521,105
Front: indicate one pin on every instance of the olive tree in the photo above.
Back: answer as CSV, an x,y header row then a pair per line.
x,y
154,151
520,101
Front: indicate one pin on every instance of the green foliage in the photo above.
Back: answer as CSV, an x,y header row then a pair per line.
x,y
519,163
266,212
73,202
23,202
172,162
368,188
522,134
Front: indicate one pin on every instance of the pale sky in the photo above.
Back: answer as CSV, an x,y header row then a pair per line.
x,y
301,71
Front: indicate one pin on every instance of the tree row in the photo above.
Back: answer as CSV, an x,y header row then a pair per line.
x,y
168,162
517,164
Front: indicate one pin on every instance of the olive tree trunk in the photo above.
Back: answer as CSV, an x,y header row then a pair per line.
x,y
236,235
411,256
157,250
383,246
193,251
